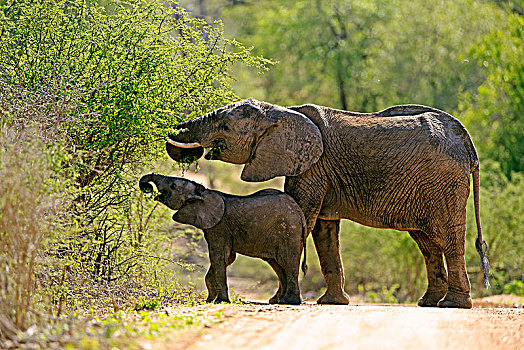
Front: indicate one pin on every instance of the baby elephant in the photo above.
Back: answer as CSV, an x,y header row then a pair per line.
x,y
267,224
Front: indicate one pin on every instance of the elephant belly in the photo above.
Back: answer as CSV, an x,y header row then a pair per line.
x,y
344,204
265,243
337,213
408,202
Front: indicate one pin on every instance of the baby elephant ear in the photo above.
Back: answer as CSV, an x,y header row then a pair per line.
x,y
289,145
203,211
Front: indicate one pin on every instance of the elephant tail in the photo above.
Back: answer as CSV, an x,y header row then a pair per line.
x,y
480,244
304,240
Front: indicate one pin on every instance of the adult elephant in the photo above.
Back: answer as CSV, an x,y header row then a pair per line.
x,y
405,168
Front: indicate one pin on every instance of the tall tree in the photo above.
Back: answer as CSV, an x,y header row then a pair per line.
x,y
494,113
365,54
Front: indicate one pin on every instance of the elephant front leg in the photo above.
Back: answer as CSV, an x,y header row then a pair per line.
x,y
326,238
436,272
210,284
217,257
210,279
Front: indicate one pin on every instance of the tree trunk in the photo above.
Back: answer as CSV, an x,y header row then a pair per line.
x,y
341,90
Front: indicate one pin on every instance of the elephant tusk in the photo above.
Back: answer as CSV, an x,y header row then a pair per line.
x,y
184,145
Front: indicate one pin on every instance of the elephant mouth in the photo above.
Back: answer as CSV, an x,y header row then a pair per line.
x,y
218,147
161,197
184,152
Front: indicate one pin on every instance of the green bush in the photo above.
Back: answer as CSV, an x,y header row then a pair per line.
x,y
136,68
502,216
100,87
493,114
353,54
516,287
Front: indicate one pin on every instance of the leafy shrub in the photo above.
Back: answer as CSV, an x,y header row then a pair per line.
x,y
137,67
493,114
147,304
87,96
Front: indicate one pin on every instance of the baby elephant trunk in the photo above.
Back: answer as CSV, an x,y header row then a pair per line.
x,y
146,180
145,184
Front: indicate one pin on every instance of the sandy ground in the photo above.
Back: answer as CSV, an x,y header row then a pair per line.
x,y
311,326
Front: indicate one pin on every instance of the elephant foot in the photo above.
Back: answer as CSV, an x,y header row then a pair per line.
x,y
219,300
339,298
274,299
431,298
290,300
457,300
209,300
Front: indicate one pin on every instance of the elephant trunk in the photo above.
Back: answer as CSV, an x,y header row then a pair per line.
x,y
188,133
145,182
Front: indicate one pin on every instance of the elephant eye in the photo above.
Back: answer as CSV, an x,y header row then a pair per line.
x,y
226,127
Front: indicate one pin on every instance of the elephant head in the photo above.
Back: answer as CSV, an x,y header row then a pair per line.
x,y
196,205
270,140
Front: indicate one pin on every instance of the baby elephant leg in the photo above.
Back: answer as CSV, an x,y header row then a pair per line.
x,y
231,259
281,280
211,285
210,279
292,290
217,257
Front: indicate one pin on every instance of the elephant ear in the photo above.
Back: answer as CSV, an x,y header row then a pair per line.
x,y
203,211
288,146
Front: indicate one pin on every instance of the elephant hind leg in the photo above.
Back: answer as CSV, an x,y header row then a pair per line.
x,y
291,293
282,283
458,294
436,272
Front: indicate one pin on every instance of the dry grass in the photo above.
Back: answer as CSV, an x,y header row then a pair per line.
x,y
28,206
32,194
45,266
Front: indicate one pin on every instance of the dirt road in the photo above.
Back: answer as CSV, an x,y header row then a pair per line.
x,y
311,326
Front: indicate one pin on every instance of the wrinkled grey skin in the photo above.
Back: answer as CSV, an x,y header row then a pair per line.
x,y
405,168
267,224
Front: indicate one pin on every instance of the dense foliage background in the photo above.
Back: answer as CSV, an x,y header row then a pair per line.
x,y
89,90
